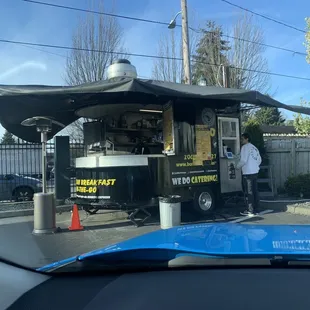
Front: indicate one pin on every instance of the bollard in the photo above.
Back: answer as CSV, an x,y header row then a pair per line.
x,y
44,213
170,211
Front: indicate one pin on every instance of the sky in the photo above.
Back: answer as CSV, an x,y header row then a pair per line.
x,y
30,22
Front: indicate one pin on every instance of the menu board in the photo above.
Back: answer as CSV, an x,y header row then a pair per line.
x,y
168,129
203,145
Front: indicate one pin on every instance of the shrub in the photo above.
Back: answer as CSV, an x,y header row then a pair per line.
x,y
257,138
298,186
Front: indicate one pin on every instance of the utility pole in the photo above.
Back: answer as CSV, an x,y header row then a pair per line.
x,y
226,78
185,42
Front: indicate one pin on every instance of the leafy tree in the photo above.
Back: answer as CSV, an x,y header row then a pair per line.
x,y
289,122
269,116
7,138
302,122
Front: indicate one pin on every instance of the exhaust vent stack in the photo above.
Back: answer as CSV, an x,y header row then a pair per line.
x,y
121,68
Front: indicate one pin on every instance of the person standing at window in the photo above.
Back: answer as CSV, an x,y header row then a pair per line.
x,y
250,161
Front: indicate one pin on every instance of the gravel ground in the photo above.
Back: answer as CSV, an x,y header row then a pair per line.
x,y
301,204
13,206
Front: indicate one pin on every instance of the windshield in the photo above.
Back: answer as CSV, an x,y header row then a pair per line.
x,y
195,141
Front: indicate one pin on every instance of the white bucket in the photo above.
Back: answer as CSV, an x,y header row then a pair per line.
x,y
170,212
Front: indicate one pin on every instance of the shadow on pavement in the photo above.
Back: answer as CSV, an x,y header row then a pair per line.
x,y
222,215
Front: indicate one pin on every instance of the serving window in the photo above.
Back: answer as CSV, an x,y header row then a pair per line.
x,y
229,135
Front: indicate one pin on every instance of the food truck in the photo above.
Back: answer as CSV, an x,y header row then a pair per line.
x,y
136,153
143,138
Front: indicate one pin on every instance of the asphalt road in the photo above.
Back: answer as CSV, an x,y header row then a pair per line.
x,y
19,245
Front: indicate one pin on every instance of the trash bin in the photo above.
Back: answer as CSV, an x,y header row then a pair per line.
x,y
170,211
44,213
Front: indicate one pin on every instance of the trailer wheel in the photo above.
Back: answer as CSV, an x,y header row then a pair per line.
x,y
204,201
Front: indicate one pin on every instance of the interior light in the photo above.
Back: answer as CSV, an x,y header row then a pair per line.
x,y
151,111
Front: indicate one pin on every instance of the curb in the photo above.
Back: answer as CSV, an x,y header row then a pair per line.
x,y
299,210
29,212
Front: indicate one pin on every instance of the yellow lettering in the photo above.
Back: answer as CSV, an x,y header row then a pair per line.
x,y
203,179
94,183
92,189
212,132
81,189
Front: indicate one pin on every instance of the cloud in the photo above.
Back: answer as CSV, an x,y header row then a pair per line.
x,y
22,67
293,96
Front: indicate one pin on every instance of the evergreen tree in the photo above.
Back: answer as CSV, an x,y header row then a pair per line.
x,y
210,54
269,116
7,138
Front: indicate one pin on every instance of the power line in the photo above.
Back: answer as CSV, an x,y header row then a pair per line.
x,y
160,23
44,51
145,56
264,16
259,43
97,12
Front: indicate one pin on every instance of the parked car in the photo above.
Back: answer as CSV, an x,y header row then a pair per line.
x,y
19,188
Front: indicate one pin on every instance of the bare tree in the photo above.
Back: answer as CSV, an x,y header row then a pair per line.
x,y
169,67
84,63
247,52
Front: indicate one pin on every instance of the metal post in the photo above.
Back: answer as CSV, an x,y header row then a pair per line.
x,y
185,40
225,71
44,217
62,175
43,141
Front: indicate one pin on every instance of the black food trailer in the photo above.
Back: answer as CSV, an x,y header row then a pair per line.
x,y
145,139
176,148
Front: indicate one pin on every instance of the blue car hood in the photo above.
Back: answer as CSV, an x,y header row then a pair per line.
x,y
216,239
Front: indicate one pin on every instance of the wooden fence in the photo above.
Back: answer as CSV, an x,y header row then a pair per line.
x,y
288,157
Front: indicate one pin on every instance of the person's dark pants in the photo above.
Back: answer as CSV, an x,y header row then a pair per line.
x,y
251,192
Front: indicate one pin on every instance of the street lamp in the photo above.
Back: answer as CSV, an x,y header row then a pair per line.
x,y
44,203
173,22
185,41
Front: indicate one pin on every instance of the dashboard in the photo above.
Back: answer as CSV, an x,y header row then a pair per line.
x,y
243,288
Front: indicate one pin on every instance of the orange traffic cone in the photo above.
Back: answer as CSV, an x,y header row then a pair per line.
x,y
75,219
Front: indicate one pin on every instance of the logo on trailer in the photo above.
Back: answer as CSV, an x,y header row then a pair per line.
x,y
198,179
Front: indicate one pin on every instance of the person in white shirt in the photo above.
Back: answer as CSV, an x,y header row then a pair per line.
x,y
249,163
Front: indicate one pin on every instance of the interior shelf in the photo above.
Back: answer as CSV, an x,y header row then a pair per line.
x,y
121,130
